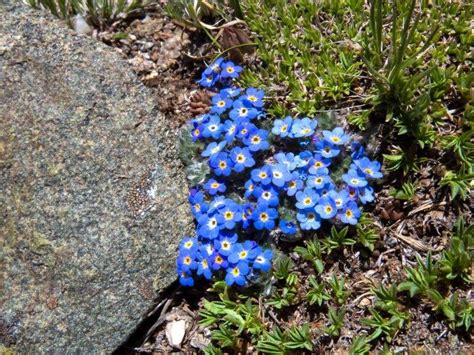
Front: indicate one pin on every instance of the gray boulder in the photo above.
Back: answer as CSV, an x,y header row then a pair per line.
x,y
93,199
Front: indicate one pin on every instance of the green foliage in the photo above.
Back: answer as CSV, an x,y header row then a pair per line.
x,y
99,13
336,321
406,192
317,293
360,345
382,326
401,95
312,253
337,240
456,261
339,291
420,279
278,342
367,235
459,184
283,298
282,267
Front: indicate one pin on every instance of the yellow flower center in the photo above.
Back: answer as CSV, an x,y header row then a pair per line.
x,y
229,215
263,217
284,128
307,201
336,139
240,158
215,185
235,271
187,260
263,175
230,70
222,164
368,171
243,254
256,139
349,213
328,209
252,98
355,181
188,244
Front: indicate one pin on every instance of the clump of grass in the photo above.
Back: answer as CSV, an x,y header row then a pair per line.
x,y
98,13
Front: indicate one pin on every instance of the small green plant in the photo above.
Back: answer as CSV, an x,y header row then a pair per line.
x,y
401,95
420,279
339,291
317,294
336,321
367,235
405,193
99,13
381,326
459,184
278,342
312,253
456,261
337,240
360,346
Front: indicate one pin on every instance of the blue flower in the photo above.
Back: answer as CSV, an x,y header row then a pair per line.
x,y
231,214
218,262
262,175
318,180
244,127
230,70
230,130
336,136
213,148
236,274
215,67
198,204
247,210
220,104
294,184
188,246
357,150
280,175
353,193
319,164
286,159
230,92
306,198
257,140
213,128
207,80
303,159
243,109
350,214
353,179
371,169
206,250
327,149
264,217
326,207
340,198
249,188
246,251
366,194
303,128
196,133
214,187
225,243
217,204
242,159
266,195
254,96
203,267
185,279
199,120
287,227
209,226
186,262
308,219
221,164
282,127
263,260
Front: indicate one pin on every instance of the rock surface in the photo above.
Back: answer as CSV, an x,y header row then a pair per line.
x,y
93,199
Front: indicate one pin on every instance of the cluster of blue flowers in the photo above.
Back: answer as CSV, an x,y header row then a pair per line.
x,y
249,189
